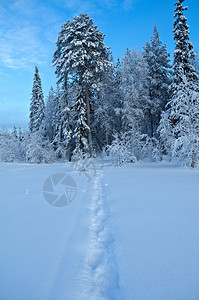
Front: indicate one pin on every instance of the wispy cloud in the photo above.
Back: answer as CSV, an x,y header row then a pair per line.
x,y
25,33
95,7
129,4
89,4
4,75
22,46
29,28
23,7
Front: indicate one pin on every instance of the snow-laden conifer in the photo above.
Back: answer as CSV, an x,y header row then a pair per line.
x,y
81,57
182,115
37,104
183,53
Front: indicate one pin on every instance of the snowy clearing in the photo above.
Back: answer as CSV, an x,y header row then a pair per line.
x,y
131,233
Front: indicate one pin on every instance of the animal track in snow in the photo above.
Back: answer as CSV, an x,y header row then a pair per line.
x,y
101,280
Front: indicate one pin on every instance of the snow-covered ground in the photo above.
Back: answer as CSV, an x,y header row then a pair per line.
x,y
130,233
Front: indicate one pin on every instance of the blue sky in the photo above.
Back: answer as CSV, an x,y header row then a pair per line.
x,y
29,30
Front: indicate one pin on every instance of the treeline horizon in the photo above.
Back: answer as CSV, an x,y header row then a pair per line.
x,y
141,107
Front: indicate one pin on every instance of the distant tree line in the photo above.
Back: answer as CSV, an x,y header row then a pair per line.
x,y
141,108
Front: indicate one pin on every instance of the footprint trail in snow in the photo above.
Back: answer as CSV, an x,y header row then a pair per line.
x,y
99,278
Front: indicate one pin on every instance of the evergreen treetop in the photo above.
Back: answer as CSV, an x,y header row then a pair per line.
x,y
184,52
37,104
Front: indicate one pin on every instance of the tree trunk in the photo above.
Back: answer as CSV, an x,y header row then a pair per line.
x,y
151,119
107,139
69,152
89,121
194,155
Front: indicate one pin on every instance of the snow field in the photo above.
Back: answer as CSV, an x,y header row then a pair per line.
x,y
155,225
42,246
130,233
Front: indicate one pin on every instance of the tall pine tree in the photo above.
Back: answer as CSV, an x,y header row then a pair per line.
x,y
81,57
184,52
37,104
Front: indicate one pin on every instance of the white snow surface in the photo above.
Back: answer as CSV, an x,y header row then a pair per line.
x,y
131,233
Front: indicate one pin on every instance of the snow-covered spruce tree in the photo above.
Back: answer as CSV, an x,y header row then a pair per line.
x,y
81,57
159,79
36,142
37,104
185,103
184,52
183,112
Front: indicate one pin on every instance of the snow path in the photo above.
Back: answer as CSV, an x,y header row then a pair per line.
x,y
99,278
